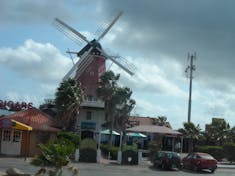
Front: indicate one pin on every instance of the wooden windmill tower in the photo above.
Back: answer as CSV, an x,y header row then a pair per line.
x,y
92,58
87,70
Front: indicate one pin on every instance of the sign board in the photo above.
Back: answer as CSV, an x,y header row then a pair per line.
x,y
88,125
15,106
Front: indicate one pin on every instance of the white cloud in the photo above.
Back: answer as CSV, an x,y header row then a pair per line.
x,y
42,62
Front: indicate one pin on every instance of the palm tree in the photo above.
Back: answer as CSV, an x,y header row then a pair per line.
x,y
191,132
69,96
161,121
123,108
217,132
106,90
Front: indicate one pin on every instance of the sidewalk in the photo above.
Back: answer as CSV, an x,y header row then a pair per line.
x,y
226,165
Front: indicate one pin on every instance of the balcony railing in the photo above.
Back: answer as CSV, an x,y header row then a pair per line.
x,y
92,102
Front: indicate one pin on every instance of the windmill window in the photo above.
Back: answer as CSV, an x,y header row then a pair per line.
x,y
92,73
88,115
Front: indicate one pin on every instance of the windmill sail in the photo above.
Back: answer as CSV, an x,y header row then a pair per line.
x,y
92,48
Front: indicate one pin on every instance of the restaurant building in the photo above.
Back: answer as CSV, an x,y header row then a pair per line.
x,y
22,131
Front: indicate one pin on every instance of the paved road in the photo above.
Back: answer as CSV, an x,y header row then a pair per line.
x,y
88,169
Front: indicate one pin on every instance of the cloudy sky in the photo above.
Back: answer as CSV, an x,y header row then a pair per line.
x,y
154,35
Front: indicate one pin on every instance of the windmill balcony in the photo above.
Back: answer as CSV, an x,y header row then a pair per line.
x,y
92,102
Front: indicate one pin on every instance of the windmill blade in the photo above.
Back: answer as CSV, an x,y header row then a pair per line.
x,y
123,63
69,31
110,26
70,52
82,62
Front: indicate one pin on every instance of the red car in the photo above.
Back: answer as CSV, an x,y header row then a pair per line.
x,y
199,161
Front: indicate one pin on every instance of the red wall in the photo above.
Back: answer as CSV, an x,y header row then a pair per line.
x,y
89,78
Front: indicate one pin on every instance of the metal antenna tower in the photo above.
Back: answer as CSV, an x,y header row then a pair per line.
x,y
189,74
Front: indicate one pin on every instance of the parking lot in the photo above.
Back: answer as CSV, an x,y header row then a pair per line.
x,y
95,169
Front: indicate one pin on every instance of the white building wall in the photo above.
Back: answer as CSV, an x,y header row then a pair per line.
x,y
97,118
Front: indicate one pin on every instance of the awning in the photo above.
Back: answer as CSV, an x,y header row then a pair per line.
x,y
108,132
136,135
20,126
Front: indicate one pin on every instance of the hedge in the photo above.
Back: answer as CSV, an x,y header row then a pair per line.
x,y
229,151
105,148
216,151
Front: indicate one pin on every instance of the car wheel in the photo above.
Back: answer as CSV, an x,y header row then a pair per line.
x,y
163,166
195,168
213,170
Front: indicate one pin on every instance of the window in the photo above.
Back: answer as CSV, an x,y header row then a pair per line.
x,y
88,115
6,135
16,136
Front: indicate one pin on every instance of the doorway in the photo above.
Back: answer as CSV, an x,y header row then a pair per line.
x,y
11,142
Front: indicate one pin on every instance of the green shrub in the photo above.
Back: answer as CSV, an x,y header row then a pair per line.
x,y
229,151
88,150
105,149
73,137
216,151
55,154
132,147
88,143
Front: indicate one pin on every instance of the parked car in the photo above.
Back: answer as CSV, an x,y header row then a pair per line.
x,y
167,160
199,161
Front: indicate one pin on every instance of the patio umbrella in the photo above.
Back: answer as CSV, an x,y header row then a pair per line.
x,y
132,134
108,132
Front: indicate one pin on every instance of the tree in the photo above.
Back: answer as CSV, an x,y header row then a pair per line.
x,y
161,121
218,132
123,108
118,103
106,90
191,132
69,96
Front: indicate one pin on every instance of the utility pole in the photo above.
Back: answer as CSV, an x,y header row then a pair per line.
x,y
189,74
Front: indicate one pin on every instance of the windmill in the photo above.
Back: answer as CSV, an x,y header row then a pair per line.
x,y
92,56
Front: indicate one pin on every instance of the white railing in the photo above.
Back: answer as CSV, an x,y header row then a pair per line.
x,y
93,102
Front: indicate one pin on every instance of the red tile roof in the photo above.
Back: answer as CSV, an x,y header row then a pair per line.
x,y
141,120
154,129
35,118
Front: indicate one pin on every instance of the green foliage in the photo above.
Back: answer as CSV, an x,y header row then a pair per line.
x,y
153,147
217,132
216,151
229,151
55,154
73,137
132,147
88,143
69,96
118,103
106,149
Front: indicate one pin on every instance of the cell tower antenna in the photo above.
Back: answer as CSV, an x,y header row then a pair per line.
x,y
189,74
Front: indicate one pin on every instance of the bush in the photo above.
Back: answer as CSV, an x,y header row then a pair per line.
x,y
132,147
88,143
216,151
105,148
73,137
54,154
88,150
229,151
